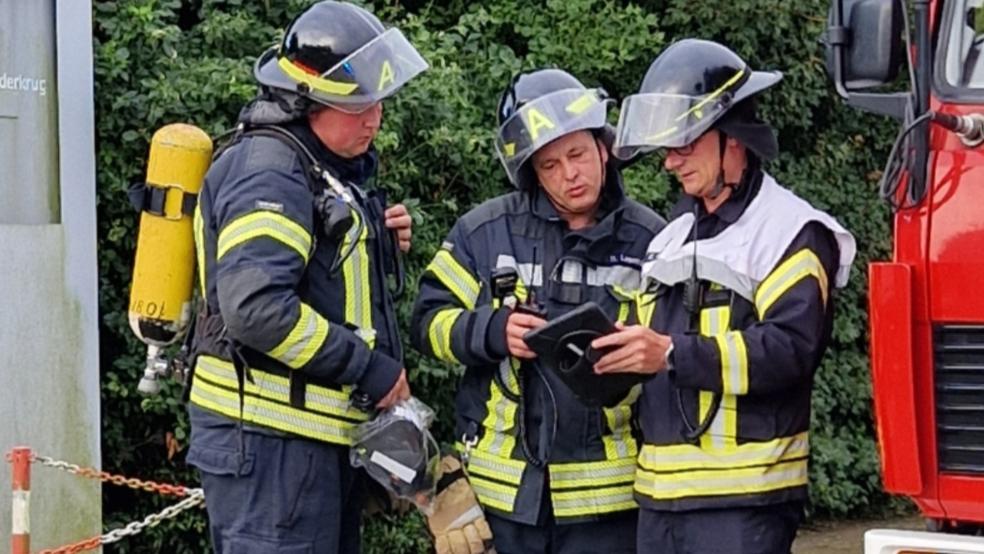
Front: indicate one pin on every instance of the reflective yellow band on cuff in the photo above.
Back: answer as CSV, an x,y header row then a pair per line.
x,y
797,267
303,341
749,480
455,277
264,224
440,333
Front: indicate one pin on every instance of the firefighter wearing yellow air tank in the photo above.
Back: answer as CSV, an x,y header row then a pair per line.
x,y
294,247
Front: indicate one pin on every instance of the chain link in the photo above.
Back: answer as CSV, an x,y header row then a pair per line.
x,y
123,481
195,498
81,546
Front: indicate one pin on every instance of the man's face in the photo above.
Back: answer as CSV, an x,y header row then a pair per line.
x,y
696,165
570,170
347,134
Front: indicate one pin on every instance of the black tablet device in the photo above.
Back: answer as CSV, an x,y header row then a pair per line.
x,y
563,346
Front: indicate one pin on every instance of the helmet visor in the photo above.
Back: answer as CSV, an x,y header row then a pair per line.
x,y
373,72
657,120
545,119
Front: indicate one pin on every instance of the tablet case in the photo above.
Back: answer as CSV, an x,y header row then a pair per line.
x,y
563,346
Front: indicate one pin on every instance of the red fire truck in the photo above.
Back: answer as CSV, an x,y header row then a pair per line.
x,y
926,312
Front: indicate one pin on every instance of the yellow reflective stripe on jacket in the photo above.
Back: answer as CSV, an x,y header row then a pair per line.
x,y
599,473
748,480
495,495
626,299
266,402
645,307
304,339
734,362
198,225
455,277
683,458
276,387
592,488
440,333
714,323
685,470
797,267
620,443
500,418
592,502
261,224
498,468
355,272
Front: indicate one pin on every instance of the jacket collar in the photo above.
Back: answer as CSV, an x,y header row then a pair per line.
x,y
733,207
357,171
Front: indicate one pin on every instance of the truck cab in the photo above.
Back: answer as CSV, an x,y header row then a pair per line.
x,y
926,312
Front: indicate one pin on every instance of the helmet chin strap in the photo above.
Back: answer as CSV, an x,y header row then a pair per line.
x,y
604,167
719,183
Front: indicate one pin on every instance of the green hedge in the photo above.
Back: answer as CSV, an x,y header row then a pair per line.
x,y
163,61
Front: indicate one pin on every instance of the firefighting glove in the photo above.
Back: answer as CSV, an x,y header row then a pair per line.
x,y
456,519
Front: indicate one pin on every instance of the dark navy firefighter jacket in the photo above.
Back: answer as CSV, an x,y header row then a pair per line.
x,y
579,459
759,357
306,336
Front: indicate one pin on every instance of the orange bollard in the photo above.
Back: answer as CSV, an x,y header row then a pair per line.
x,y
20,459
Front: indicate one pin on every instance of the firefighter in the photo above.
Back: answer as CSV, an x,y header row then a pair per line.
x,y
742,279
294,245
552,474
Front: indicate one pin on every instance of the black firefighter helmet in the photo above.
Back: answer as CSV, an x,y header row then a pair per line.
x,y
541,106
693,86
340,55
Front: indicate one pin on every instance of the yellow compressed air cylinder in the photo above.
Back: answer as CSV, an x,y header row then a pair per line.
x,y
164,269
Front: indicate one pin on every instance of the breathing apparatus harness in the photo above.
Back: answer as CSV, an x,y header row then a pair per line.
x,y
337,208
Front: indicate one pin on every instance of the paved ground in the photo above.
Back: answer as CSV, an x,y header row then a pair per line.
x,y
845,536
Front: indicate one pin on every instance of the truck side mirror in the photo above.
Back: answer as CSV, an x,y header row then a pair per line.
x,y
870,35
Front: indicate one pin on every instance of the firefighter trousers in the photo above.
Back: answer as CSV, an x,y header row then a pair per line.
x,y
612,535
282,494
766,529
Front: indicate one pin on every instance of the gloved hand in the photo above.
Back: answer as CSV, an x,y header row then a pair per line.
x,y
456,519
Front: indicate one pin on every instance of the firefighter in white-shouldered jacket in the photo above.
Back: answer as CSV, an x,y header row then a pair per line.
x,y
740,285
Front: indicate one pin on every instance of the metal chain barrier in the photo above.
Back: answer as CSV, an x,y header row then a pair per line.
x,y
192,497
133,483
195,498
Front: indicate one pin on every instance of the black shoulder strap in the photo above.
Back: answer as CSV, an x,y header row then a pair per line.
x,y
312,169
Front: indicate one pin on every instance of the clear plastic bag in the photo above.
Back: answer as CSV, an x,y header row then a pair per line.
x,y
398,451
